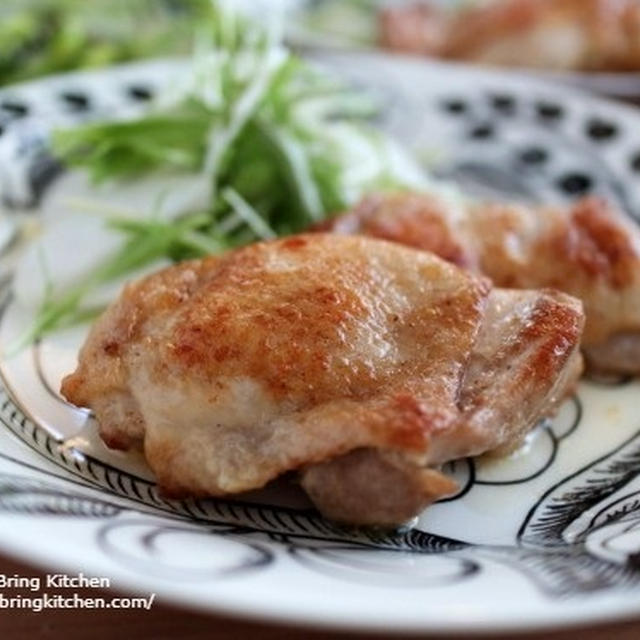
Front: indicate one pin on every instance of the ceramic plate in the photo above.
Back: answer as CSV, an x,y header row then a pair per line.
x,y
546,537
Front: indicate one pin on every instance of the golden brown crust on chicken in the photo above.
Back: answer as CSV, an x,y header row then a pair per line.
x,y
414,220
289,355
588,250
523,364
558,34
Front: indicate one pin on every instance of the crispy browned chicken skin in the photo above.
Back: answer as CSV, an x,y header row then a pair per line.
x,y
590,35
589,250
361,364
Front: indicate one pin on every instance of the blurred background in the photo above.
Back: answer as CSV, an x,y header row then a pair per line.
x,y
591,43
40,37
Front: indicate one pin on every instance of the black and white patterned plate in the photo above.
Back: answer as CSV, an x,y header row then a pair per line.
x,y
546,537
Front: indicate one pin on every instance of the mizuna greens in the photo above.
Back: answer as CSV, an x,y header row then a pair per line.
x,y
279,144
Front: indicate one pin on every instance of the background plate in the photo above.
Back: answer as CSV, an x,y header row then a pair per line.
x,y
352,25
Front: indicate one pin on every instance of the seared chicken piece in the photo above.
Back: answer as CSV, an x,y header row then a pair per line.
x,y
549,34
361,364
512,378
589,250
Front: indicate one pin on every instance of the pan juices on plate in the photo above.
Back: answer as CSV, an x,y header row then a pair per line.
x,y
358,363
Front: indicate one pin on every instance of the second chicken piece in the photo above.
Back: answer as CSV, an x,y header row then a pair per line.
x,y
589,250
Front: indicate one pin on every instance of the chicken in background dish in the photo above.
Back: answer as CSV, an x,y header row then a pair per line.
x,y
359,363
588,35
589,250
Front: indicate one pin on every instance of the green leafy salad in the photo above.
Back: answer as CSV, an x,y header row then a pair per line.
x,y
279,144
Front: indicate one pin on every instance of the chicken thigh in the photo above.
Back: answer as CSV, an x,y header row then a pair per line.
x,y
361,364
588,250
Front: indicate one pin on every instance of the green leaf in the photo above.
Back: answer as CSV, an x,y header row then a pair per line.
x,y
266,130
